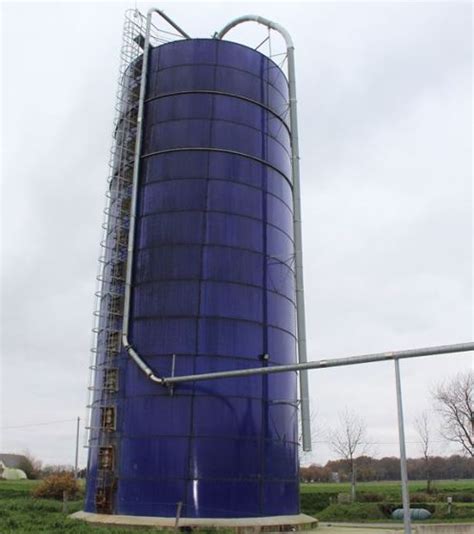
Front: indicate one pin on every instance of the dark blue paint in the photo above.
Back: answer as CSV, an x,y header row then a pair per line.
x,y
214,284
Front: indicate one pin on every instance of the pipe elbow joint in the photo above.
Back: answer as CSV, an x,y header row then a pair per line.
x,y
156,379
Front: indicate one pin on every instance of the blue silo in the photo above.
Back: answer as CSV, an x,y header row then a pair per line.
x,y
213,289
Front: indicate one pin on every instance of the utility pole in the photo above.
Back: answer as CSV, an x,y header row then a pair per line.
x,y
77,447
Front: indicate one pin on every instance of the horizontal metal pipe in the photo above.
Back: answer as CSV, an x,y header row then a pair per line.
x,y
323,364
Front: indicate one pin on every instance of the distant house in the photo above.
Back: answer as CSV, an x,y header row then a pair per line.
x,y
10,467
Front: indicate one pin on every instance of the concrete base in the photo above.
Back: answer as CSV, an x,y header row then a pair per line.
x,y
391,528
239,524
447,528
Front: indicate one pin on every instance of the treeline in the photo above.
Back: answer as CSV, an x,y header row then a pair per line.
x,y
388,468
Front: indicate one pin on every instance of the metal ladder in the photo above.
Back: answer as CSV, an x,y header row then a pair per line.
x,y
107,352
104,387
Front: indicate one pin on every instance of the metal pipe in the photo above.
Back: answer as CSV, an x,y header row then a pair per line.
x,y
295,167
323,364
300,303
403,454
260,20
133,206
168,20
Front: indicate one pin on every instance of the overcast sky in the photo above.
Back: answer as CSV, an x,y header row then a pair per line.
x,y
384,95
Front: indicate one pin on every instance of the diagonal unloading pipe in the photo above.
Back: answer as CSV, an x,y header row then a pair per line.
x,y
295,167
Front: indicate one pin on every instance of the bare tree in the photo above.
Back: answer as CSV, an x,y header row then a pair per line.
x,y
30,465
455,403
423,429
349,440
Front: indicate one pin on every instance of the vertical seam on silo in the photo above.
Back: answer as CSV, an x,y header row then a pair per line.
x,y
263,435
190,477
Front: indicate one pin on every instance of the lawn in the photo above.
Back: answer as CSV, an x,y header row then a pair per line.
x,y
390,487
19,513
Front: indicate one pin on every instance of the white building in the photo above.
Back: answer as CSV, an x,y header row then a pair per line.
x,y
9,469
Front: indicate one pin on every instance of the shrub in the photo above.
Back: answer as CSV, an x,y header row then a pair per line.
x,y
53,486
30,465
351,512
458,511
311,503
420,497
370,497
462,497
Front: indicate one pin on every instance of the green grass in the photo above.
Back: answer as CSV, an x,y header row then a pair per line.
x,y
352,512
21,513
377,499
389,488
373,512
11,488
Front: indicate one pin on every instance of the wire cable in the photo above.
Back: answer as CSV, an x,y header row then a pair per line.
x,y
38,424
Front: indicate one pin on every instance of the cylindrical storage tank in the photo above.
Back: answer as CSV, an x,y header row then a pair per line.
x,y
213,290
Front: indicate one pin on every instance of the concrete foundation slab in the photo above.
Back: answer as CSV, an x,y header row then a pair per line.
x,y
335,529
242,525
448,528
387,528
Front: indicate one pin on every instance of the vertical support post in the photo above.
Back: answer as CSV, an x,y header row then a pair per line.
x,y
353,480
300,305
403,455
178,515
295,168
64,502
76,460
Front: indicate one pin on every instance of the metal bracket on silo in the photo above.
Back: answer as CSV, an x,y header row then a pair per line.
x,y
295,167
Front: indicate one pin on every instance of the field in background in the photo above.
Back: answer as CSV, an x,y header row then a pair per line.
x,y
19,512
389,487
